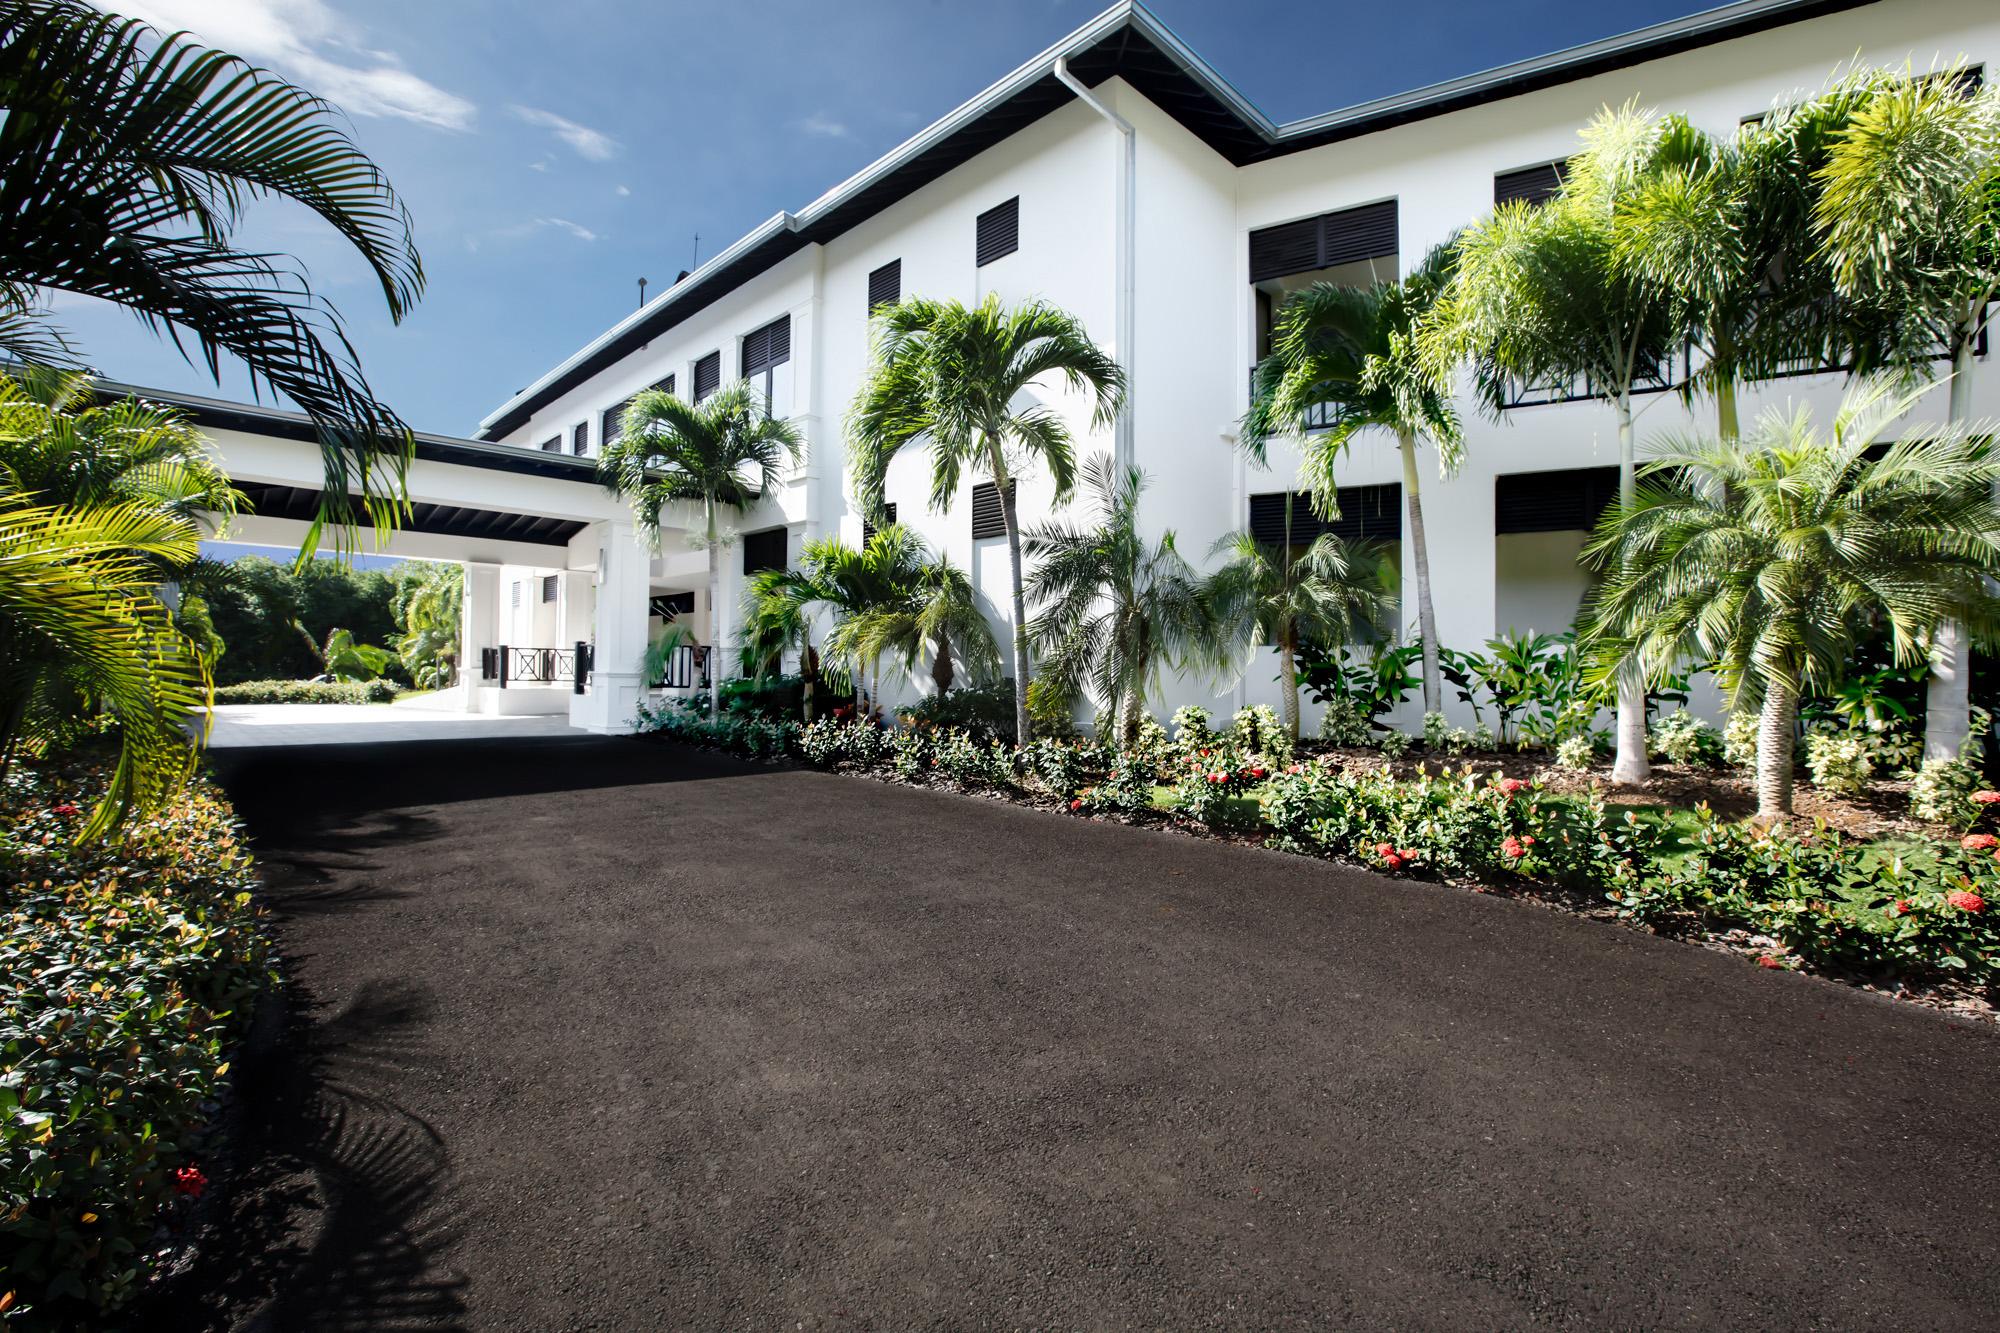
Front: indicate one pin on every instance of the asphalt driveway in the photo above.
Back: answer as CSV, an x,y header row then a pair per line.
x,y
612,1035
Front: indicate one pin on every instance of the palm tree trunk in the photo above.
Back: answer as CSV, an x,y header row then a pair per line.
x,y
1420,556
942,673
714,621
1948,696
808,674
1022,668
1288,674
1630,765
1774,750
1128,726
1726,423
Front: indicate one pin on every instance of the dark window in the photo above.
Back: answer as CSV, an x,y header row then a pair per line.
x,y
987,519
763,550
1568,500
1967,81
666,385
1529,185
612,428
1346,237
550,582
552,445
868,530
672,605
707,375
1372,513
579,439
767,347
998,232
885,285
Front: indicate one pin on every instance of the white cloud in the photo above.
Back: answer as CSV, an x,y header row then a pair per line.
x,y
624,190
593,144
576,229
822,126
521,230
307,40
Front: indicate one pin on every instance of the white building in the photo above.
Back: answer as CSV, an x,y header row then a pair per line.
x,y
1118,176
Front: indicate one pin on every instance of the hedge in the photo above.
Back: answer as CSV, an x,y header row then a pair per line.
x,y
130,968
308,692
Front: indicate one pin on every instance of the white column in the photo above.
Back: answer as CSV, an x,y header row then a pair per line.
x,y
478,627
620,638
578,609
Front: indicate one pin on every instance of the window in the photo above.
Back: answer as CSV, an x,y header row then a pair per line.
x,y
998,232
552,445
550,585
885,285
666,385
1372,513
868,530
1530,185
672,605
1565,500
517,593
707,375
612,428
987,518
1346,237
579,439
764,550
763,351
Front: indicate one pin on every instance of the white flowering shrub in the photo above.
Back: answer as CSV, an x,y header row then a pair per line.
x,y
1841,762
1942,792
1343,723
1739,741
1682,738
1575,753
1437,731
1394,744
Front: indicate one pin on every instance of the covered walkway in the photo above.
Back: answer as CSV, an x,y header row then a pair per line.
x,y
436,718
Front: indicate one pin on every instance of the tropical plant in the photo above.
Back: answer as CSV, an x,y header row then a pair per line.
x,y
341,658
1361,684
81,630
721,453
778,619
1544,296
1112,610
1909,209
1326,593
927,608
965,380
429,605
1769,553
1344,360
127,160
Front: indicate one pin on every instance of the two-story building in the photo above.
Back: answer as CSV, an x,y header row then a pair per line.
x,y
1118,176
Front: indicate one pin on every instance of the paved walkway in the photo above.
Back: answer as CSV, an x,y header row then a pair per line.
x,y
238,725
607,1034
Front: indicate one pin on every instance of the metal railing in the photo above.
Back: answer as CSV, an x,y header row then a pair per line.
x,y
684,668
510,663
1318,417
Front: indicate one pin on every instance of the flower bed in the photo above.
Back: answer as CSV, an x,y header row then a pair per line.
x,y
130,968
309,692
1915,915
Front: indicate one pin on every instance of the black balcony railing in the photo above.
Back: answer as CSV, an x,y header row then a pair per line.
x,y
512,664
1318,417
685,667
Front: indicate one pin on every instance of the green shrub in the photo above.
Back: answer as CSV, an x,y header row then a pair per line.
x,y
1127,787
1211,778
1739,740
1343,724
1256,731
985,710
1191,727
1682,738
1062,767
130,969
972,760
1841,762
1942,792
1576,753
308,692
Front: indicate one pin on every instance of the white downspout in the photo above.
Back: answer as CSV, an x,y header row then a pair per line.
x,y
1127,265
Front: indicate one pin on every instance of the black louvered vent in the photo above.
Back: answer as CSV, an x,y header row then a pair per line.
x,y
612,428
1529,185
998,232
666,385
885,285
1367,232
763,550
765,347
987,519
552,445
551,586
579,439
1373,513
868,530
707,375
1569,500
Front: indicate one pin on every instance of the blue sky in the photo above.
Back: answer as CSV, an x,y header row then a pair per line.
x,y
552,153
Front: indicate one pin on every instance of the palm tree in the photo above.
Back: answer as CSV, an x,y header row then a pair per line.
x,y
955,376
80,626
1279,594
721,453
429,605
1541,295
1911,229
1768,554
1112,611
127,159
1343,361
929,610
779,607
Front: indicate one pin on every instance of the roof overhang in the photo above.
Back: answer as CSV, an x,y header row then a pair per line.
x,y
1126,41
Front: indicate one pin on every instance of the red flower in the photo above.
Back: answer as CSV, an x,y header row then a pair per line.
x,y
1978,842
1965,900
65,809
1406,853
1769,960
1511,785
1076,804
1392,861
1295,768
190,1181
1384,849
1985,797
1900,906
1528,838
1512,848
1257,772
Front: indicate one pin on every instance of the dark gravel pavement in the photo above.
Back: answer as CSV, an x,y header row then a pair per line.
x,y
610,1035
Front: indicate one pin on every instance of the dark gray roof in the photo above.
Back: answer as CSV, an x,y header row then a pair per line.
x,y
1128,41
